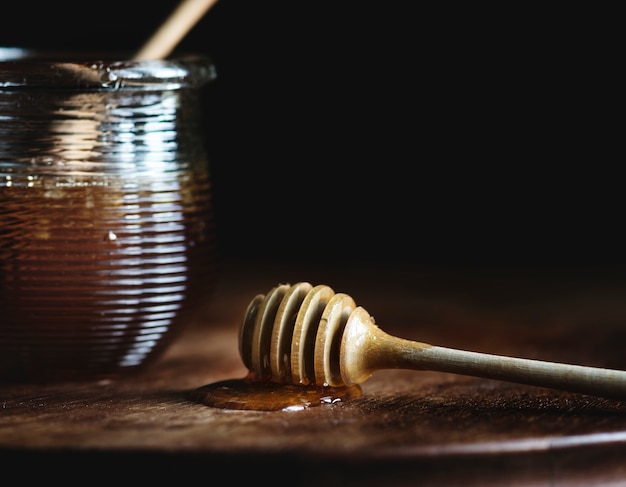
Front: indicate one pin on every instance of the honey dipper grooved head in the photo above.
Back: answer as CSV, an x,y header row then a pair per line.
x,y
293,334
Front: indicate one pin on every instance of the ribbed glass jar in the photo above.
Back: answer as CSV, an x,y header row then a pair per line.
x,y
106,218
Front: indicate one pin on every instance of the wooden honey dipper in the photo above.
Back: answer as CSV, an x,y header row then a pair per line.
x,y
304,334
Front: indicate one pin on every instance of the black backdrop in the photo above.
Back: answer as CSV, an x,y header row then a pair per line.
x,y
391,132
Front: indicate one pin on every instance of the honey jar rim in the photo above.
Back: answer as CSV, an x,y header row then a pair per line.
x,y
41,69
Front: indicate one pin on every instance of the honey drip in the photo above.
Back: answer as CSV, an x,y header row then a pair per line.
x,y
252,394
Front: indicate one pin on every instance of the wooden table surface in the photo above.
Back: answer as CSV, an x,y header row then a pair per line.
x,y
407,427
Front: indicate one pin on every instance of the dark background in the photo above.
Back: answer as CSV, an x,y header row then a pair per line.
x,y
393,132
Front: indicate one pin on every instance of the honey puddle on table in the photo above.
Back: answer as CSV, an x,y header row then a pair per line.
x,y
250,394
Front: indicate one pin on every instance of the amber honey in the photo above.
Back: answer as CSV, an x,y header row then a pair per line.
x,y
256,395
95,275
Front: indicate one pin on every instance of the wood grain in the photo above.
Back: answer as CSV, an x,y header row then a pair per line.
x,y
439,428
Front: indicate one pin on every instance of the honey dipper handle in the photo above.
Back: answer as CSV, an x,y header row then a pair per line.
x,y
176,26
573,378
366,348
